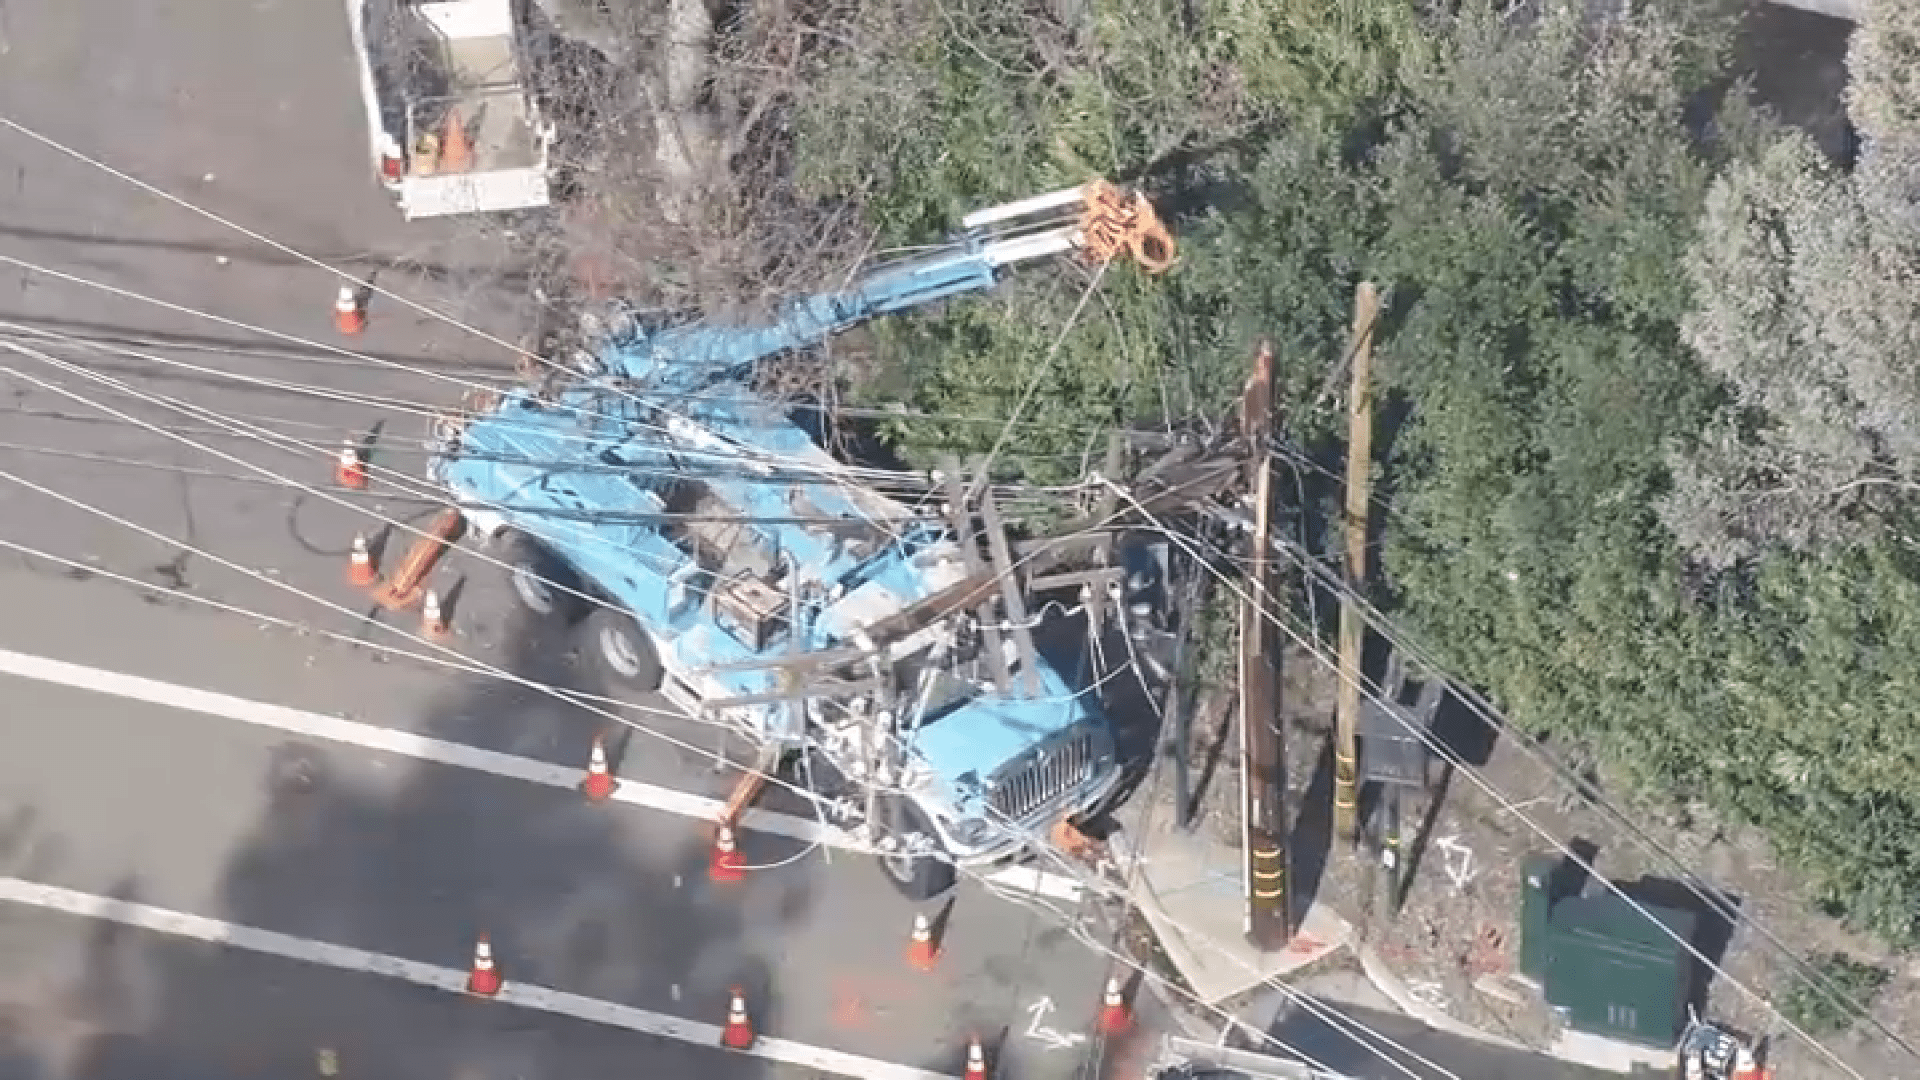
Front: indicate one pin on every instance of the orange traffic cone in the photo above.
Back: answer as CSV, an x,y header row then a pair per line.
x,y
921,951
433,621
456,150
976,1060
349,471
727,865
738,1034
598,783
360,571
1115,1017
349,311
483,979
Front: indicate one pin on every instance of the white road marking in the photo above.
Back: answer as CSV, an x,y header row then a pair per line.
x,y
1055,1039
451,980
1023,879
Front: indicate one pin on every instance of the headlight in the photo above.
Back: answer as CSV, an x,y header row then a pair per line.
x,y
972,831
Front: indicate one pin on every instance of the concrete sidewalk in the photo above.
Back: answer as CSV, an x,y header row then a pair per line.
x,y
1187,885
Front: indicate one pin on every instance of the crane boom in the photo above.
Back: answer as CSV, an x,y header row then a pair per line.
x,y
686,358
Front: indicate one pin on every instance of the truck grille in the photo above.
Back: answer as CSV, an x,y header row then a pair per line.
x,y
1044,775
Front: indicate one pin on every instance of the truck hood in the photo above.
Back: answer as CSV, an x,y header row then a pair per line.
x,y
988,732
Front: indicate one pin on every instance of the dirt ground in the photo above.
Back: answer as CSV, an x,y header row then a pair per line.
x,y
1456,939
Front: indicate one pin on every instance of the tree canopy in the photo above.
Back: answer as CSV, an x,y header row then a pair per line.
x,y
1650,421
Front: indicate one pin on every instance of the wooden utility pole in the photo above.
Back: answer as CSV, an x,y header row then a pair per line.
x,y
1263,772
1366,308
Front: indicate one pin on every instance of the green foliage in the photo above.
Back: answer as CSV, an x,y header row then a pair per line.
x,y
991,102
1528,192
1883,98
1820,1011
1809,307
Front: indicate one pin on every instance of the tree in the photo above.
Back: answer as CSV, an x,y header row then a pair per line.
x,y
1883,100
1808,286
992,101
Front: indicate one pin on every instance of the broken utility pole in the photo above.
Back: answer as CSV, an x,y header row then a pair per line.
x,y
1263,772
1366,307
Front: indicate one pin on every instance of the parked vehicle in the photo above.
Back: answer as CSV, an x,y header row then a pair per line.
x,y
452,125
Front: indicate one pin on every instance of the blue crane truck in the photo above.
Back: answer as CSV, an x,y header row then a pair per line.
x,y
710,549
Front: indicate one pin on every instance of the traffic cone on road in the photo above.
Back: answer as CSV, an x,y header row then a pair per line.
x,y
484,979
738,1034
1115,1017
976,1060
727,865
350,471
350,311
598,783
360,570
433,621
921,951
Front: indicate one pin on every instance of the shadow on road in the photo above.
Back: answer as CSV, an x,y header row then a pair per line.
x,y
361,262
1338,1049
418,868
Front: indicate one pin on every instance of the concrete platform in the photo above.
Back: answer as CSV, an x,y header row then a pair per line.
x,y
1187,886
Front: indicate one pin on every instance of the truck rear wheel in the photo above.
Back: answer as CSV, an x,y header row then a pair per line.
x,y
620,651
542,584
917,876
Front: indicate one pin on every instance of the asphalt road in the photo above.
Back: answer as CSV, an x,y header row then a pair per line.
x,y
90,1001
1337,1049
249,109
341,844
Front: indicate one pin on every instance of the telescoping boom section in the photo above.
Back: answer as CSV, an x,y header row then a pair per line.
x,y
1095,220
871,615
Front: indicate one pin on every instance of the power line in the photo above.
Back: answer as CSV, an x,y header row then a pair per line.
x,y
1447,754
1496,722
457,662
578,699
823,465
370,286
50,142
1083,298
466,666
151,189
395,365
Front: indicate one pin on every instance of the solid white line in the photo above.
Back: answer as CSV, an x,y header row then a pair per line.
x,y
459,755
524,995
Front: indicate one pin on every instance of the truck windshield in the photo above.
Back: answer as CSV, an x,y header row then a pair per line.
x,y
935,692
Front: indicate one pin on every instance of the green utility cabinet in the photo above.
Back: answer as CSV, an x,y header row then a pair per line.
x,y
1611,969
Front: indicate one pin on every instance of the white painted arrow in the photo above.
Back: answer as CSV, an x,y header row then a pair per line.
x,y
1054,1038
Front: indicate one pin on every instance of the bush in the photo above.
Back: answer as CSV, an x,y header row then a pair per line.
x,y
1832,1003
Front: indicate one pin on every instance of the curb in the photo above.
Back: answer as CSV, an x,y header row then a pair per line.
x,y
1385,981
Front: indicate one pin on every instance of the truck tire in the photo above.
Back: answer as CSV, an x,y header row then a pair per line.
x,y
544,585
620,651
918,877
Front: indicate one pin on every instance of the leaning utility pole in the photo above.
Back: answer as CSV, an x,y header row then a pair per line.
x,y
1366,307
1263,772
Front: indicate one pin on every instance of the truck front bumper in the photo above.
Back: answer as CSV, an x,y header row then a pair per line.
x,y
1009,841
